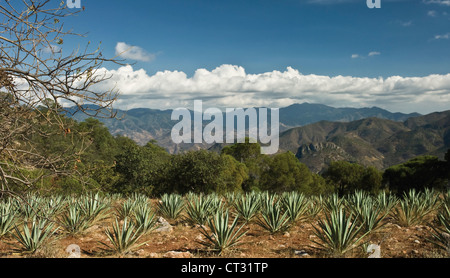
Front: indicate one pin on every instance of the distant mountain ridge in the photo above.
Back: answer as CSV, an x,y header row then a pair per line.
x,y
317,134
144,124
371,141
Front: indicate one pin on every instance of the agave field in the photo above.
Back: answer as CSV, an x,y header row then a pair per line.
x,y
251,225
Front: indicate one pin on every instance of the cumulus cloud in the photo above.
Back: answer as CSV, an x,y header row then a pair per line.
x,y
355,56
52,49
440,2
230,86
440,37
374,53
432,13
136,53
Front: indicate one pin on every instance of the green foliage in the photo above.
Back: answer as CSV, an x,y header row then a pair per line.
x,y
285,173
415,207
34,237
221,235
126,210
94,207
338,233
145,218
124,239
419,173
249,154
369,213
171,206
315,206
139,167
247,206
348,177
203,172
295,205
386,201
199,208
74,220
7,217
273,219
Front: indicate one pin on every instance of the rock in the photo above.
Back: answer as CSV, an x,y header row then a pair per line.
x,y
415,251
416,241
301,253
177,255
286,234
271,238
281,246
199,238
153,255
164,226
139,252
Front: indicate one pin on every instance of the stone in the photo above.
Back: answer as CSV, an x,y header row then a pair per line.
x,y
416,241
301,253
415,251
177,255
164,226
139,252
286,234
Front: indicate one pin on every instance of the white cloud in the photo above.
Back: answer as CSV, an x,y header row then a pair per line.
x,y
52,49
444,36
374,53
440,2
127,51
231,86
432,13
406,23
355,56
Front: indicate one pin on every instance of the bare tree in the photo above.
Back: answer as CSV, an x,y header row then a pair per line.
x,y
37,80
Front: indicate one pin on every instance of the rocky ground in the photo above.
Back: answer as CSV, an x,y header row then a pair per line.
x,y
182,240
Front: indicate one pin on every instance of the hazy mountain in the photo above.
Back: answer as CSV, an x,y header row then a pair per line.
x,y
143,125
371,141
317,134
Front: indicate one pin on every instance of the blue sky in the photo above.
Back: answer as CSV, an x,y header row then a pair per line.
x,y
314,37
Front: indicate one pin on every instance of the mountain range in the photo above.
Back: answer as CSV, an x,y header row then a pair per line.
x,y
316,133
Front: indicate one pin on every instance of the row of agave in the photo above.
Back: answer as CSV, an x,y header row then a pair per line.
x,y
344,222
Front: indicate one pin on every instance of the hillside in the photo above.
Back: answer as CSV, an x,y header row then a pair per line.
x,y
372,141
143,124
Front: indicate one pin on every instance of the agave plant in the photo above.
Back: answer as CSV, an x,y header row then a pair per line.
x,y
247,206
94,207
29,206
338,233
295,205
357,200
315,206
370,214
7,217
171,206
124,239
273,219
199,208
52,206
139,199
415,207
126,210
441,235
34,237
333,202
221,235
74,220
145,218
387,202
